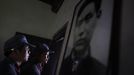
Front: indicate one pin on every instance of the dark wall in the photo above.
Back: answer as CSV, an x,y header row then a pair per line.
x,y
126,61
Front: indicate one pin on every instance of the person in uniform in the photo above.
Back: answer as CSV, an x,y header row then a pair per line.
x,y
16,51
38,59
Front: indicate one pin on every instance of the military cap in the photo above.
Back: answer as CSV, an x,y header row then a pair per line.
x,y
15,42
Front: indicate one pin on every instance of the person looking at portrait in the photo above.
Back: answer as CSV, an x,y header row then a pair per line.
x,y
16,51
38,59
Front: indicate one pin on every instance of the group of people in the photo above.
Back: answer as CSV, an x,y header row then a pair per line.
x,y
20,59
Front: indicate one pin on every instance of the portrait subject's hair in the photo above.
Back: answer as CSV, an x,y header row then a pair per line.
x,y
86,2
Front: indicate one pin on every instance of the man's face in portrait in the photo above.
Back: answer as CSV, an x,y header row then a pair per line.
x,y
85,25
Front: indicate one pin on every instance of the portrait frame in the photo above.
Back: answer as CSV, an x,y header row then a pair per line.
x,y
68,43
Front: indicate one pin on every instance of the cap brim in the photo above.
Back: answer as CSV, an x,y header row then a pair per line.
x,y
30,45
51,52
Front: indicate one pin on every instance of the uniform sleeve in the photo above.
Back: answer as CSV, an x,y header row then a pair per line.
x,y
7,70
29,70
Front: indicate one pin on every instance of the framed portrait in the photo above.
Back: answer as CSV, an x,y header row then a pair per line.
x,y
87,46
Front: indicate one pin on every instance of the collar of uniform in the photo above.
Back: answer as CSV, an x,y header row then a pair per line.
x,y
33,61
9,60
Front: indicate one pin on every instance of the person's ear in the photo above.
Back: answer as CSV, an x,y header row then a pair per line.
x,y
99,14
